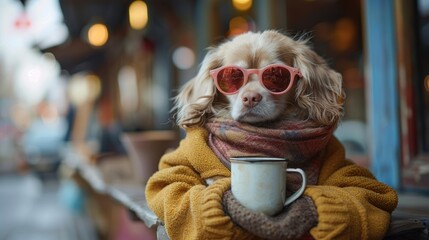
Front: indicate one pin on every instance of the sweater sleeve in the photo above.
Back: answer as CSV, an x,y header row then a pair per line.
x,y
188,207
351,203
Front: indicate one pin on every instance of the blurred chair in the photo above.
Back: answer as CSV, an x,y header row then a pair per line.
x,y
146,148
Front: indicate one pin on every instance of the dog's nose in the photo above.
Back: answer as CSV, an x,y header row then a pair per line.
x,y
251,99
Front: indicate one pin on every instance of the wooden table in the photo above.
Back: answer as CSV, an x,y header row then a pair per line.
x,y
112,177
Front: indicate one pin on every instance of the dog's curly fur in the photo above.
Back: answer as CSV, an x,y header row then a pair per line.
x,y
318,96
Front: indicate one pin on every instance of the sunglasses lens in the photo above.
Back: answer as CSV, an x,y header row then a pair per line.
x,y
276,79
230,79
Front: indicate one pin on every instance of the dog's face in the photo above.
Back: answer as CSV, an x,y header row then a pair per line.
x,y
317,96
253,103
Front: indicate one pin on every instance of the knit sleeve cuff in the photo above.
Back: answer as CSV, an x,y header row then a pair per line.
x,y
216,222
338,217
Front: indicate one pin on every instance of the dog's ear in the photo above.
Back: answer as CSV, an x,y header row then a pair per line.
x,y
195,99
320,90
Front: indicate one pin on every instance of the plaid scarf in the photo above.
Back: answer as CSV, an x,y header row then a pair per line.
x,y
299,142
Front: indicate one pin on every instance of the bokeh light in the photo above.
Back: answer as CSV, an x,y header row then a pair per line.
x,y
84,88
242,5
138,15
183,58
238,25
98,34
128,89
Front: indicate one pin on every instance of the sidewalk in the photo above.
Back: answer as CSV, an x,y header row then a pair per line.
x,y
31,209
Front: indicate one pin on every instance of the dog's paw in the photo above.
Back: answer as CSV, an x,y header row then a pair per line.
x,y
210,181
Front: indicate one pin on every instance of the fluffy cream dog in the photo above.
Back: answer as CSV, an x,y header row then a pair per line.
x,y
265,94
317,96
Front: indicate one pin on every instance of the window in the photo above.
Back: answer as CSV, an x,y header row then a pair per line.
x,y
413,65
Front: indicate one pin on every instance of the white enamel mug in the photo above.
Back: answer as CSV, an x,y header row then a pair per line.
x,y
259,183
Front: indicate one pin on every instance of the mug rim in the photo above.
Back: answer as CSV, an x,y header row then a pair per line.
x,y
257,159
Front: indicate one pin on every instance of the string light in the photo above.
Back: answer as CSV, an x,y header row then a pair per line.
x,y
138,14
242,5
98,34
238,25
84,88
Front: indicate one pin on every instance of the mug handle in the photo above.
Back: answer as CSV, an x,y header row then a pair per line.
x,y
298,193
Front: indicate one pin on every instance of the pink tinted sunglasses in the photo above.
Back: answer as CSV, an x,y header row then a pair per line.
x,y
276,78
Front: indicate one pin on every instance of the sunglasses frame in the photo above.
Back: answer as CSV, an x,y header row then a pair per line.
x,y
247,72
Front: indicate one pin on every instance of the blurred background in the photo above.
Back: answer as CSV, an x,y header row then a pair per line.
x,y
83,73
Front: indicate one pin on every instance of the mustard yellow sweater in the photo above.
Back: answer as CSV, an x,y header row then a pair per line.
x,y
350,202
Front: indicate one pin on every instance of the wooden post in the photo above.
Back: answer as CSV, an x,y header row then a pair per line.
x,y
382,90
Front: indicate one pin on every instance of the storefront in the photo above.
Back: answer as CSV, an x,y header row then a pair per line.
x,y
69,98
380,48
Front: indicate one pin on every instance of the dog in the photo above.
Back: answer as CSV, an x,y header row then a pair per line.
x,y
265,94
316,94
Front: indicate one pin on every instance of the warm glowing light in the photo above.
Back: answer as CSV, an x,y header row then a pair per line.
x,y
242,5
138,14
35,77
84,88
238,25
98,34
183,58
128,89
